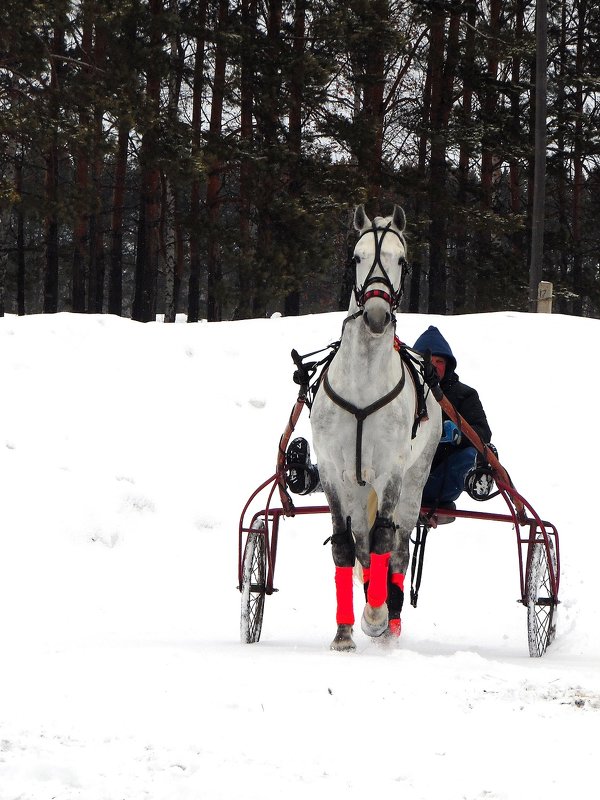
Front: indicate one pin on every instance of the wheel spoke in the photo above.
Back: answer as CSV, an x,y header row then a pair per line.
x,y
253,584
540,603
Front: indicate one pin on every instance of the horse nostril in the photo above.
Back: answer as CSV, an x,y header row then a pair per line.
x,y
376,322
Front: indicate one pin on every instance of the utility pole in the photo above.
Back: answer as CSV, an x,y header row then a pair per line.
x,y
539,176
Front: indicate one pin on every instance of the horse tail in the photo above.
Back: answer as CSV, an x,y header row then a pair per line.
x,y
358,573
372,503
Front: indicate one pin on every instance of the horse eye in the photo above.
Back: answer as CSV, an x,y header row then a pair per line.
x,y
357,259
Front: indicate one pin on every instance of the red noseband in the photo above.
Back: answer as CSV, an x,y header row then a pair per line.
x,y
377,293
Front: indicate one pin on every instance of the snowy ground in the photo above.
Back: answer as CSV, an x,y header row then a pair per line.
x,y
126,454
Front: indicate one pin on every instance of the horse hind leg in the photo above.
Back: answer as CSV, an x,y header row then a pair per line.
x,y
395,602
397,573
374,620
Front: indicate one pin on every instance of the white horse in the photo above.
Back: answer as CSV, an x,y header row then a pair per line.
x,y
363,421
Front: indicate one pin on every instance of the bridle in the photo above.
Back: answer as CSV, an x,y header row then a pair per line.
x,y
362,294
393,296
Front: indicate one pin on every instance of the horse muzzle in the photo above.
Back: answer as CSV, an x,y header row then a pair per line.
x,y
377,318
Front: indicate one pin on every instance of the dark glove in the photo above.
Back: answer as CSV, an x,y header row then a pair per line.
x,y
301,377
303,373
450,433
481,461
430,375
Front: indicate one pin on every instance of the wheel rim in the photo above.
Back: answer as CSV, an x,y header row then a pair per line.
x,y
541,608
253,585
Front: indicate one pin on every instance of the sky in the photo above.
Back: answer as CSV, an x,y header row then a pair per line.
x,y
127,452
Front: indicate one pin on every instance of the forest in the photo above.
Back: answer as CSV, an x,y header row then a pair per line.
x,y
161,157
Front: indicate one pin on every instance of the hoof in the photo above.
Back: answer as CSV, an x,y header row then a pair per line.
x,y
391,635
374,620
343,642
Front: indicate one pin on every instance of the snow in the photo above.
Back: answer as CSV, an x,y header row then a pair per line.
x,y
127,452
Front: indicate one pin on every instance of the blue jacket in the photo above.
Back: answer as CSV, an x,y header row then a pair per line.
x,y
464,398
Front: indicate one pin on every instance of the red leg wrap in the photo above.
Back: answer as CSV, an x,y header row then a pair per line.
x,y
377,591
398,579
343,591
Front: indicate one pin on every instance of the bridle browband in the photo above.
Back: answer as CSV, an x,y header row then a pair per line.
x,y
394,296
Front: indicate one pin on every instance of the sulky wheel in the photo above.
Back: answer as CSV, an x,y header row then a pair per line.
x,y
541,607
254,572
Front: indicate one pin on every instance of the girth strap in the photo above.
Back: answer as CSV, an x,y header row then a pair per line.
x,y
362,413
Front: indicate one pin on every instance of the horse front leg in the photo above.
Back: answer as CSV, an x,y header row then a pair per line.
x,y
344,554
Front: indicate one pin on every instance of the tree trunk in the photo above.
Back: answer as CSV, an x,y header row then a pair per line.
x,y
267,112
517,205
539,174
578,154
561,166
172,247
292,299
489,113
442,82
52,162
213,200
171,241
417,277
144,305
198,86
515,108
490,106
20,238
82,170
248,70
464,283
373,103
97,254
115,275
368,54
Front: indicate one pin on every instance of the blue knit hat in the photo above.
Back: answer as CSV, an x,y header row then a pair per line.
x,y
433,340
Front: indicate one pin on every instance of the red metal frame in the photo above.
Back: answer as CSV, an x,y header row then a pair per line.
x,y
528,531
529,527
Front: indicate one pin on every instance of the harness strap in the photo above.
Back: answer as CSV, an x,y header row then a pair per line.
x,y
362,413
416,567
305,373
421,404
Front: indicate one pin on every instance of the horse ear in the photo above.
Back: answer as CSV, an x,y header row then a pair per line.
x,y
361,221
399,218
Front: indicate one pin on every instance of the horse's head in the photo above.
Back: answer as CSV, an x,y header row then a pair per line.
x,y
380,255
